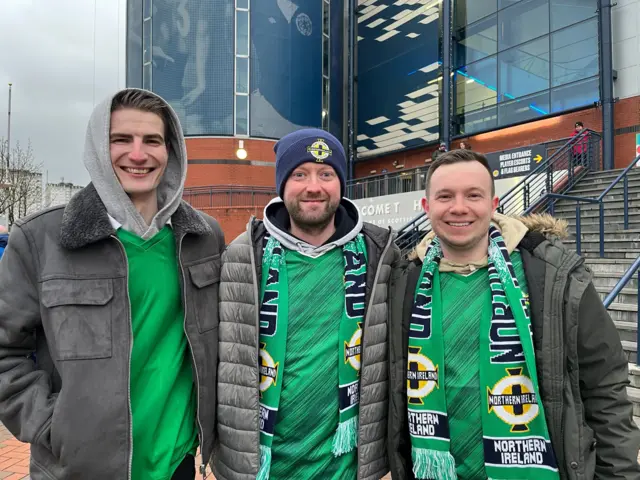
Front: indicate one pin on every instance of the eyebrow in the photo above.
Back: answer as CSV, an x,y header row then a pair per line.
x,y
153,136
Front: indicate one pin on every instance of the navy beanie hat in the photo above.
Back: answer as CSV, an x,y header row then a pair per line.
x,y
309,145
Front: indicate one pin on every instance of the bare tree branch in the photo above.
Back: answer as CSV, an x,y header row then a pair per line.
x,y
20,181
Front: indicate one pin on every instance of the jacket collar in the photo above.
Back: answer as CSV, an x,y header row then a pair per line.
x,y
85,221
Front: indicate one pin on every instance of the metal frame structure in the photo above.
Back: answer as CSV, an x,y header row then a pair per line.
x,y
447,104
243,9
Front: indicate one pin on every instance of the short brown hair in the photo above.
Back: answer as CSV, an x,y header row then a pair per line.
x,y
458,156
144,101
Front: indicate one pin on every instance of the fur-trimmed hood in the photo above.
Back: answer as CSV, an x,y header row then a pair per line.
x,y
513,230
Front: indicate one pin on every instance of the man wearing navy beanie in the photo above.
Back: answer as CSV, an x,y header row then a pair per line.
x,y
305,394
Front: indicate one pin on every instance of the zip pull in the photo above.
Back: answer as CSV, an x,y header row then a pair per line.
x,y
203,471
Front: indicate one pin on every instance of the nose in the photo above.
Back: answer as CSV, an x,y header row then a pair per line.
x,y
459,206
137,153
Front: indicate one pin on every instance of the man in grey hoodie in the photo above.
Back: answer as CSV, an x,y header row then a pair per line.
x,y
303,329
117,294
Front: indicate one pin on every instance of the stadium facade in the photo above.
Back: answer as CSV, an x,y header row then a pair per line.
x,y
390,78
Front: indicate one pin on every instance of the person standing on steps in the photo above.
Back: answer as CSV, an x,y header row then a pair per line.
x,y
120,288
305,394
504,363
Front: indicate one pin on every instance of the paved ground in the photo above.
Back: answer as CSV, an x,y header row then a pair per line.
x,y
14,457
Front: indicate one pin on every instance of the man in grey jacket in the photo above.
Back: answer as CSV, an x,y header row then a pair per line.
x,y
302,380
504,362
117,295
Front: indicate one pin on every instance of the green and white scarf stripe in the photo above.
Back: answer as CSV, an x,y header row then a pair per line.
x,y
273,343
515,435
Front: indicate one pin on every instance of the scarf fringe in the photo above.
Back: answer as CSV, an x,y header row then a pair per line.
x,y
265,463
433,464
346,437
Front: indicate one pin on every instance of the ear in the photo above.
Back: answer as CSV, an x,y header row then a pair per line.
x,y
494,203
425,205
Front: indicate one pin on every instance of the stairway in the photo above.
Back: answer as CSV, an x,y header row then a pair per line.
x,y
622,247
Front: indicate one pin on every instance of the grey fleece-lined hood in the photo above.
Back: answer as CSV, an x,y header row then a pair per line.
x,y
293,243
97,160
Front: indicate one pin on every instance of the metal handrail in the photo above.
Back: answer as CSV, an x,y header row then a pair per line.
x,y
628,275
410,230
598,200
626,278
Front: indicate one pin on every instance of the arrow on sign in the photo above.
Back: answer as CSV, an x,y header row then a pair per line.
x,y
538,158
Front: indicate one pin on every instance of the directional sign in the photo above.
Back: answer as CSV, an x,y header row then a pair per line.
x,y
517,162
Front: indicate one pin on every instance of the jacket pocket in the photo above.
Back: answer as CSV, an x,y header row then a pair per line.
x,y
205,278
79,315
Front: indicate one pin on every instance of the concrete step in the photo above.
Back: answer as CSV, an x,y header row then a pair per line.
x,y
594,191
593,217
609,245
616,236
609,280
612,206
628,332
608,175
586,185
627,296
609,265
610,226
631,352
622,312
610,253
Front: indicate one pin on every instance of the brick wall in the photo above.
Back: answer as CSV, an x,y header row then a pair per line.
x,y
626,114
233,220
234,172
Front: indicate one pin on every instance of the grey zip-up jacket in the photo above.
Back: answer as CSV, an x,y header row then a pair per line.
x,y
237,450
64,296
581,365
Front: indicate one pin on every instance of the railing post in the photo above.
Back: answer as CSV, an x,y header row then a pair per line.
x,y
527,194
626,203
601,229
638,323
578,230
552,207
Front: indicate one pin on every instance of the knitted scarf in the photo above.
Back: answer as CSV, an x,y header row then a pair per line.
x,y
273,345
515,435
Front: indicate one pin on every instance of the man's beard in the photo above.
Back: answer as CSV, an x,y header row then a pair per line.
x,y
313,221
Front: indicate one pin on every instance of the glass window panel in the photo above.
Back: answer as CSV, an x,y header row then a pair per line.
x,y
325,17
134,43
325,120
325,94
476,41
242,3
194,73
523,109
522,22
478,120
506,3
146,41
575,95
242,75
325,55
476,85
146,76
574,53
469,11
146,8
524,69
242,32
568,12
242,115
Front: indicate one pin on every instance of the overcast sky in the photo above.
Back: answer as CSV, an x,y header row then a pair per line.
x,y
59,73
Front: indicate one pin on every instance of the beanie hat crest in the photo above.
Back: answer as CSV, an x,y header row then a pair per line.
x,y
308,145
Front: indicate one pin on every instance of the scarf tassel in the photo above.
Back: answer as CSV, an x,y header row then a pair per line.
x,y
346,437
433,464
265,463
